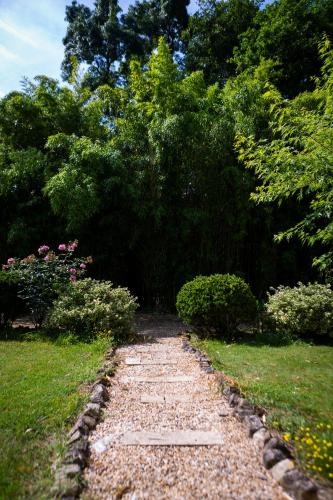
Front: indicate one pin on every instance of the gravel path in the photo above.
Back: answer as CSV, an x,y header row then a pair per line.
x,y
229,471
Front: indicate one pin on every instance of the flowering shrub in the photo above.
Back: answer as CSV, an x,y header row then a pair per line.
x,y
9,302
315,447
219,301
43,276
302,310
90,307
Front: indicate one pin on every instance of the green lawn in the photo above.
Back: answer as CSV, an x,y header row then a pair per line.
x,y
42,389
293,383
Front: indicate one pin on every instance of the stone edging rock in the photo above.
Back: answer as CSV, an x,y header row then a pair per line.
x,y
68,479
277,455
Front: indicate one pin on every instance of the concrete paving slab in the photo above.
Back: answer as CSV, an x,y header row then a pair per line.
x,y
164,438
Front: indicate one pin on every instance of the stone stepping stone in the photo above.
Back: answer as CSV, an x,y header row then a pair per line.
x,y
157,379
164,350
163,438
138,362
168,398
161,378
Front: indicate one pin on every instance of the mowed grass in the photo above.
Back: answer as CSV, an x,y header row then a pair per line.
x,y
293,383
43,386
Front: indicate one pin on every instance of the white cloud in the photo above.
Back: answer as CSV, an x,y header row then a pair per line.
x,y
18,33
7,54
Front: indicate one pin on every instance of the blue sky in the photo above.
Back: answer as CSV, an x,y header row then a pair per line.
x,y
31,33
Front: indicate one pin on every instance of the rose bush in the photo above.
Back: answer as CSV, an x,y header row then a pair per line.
x,y
42,277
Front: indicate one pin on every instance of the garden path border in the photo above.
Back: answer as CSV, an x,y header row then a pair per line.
x,y
69,476
278,456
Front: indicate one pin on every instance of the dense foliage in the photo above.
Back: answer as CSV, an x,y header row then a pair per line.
x,y
302,310
89,307
106,41
41,278
298,161
9,301
145,147
219,302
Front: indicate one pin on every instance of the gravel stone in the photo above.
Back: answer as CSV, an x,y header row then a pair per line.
x,y
272,457
232,470
295,482
279,444
278,470
93,410
233,399
261,437
70,470
254,424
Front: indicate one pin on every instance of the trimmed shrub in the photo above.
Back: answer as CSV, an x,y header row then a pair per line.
x,y
10,304
302,310
90,307
219,301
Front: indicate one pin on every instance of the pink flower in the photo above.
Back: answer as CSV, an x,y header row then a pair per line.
x,y
43,249
46,258
82,266
62,247
72,270
73,278
72,245
10,261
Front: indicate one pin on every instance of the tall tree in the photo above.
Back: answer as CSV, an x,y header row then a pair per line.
x,y
106,41
93,37
288,31
298,160
213,33
147,20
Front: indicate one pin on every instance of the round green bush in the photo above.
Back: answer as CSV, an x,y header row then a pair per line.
x,y
220,302
302,310
91,307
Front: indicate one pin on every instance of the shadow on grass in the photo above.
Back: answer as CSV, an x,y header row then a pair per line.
x,y
23,334
273,339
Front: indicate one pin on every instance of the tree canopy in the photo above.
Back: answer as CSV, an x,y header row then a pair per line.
x,y
177,155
